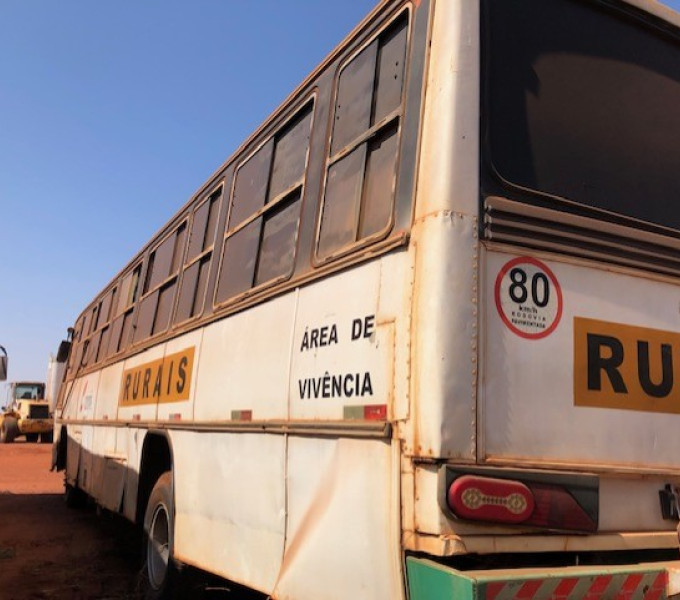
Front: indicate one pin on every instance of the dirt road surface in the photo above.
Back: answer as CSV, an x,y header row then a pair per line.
x,y
51,552
48,551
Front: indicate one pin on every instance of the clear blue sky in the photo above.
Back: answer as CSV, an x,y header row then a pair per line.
x,y
111,115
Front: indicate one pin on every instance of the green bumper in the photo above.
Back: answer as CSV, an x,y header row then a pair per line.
x,y
429,580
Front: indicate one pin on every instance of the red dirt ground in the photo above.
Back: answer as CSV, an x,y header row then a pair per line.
x,y
51,552
48,551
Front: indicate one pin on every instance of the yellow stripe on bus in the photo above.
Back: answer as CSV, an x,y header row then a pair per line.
x,y
164,380
626,367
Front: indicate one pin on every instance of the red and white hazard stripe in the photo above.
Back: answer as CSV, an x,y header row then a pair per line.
x,y
620,586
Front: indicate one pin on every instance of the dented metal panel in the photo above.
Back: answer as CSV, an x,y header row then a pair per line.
x,y
230,504
445,341
342,524
444,243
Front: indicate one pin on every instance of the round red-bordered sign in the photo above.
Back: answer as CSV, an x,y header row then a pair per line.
x,y
528,298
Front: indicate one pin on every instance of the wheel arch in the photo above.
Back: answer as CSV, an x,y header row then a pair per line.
x,y
60,449
157,458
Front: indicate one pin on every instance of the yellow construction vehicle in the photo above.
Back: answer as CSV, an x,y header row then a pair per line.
x,y
26,413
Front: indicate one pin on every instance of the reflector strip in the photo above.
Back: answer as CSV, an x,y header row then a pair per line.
x,y
428,579
175,416
375,412
241,415
369,412
659,587
598,587
622,586
565,587
529,589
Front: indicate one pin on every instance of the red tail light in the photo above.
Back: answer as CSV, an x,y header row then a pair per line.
x,y
488,499
557,509
496,500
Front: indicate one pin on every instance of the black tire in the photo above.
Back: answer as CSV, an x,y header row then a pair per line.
x,y
8,430
46,438
32,437
159,530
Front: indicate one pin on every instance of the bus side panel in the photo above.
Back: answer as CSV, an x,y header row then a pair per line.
x,y
136,401
103,449
343,348
596,386
85,398
343,526
244,363
230,504
107,467
178,373
444,238
394,323
68,411
107,393
129,443
445,338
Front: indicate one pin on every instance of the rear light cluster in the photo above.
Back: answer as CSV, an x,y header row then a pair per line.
x,y
548,504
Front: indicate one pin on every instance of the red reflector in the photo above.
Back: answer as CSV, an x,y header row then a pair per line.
x,y
488,499
557,509
375,412
241,415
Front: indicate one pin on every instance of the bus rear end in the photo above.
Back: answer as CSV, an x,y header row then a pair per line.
x,y
545,453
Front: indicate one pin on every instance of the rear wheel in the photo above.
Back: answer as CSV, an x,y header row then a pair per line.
x,y
159,527
32,437
8,430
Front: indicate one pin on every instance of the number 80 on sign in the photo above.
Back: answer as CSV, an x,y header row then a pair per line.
x,y
528,298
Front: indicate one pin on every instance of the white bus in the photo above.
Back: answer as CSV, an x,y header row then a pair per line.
x,y
420,335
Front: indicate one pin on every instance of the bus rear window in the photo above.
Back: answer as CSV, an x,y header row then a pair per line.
x,y
581,102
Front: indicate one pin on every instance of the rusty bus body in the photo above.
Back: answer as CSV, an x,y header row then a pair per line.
x,y
420,330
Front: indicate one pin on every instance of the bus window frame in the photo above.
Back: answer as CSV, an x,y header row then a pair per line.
x,y
310,101
104,322
141,263
398,115
142,295
220,186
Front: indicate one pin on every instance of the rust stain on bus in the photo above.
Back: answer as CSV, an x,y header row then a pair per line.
x,y
165,380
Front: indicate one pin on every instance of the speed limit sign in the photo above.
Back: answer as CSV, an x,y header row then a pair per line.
x,y
528,298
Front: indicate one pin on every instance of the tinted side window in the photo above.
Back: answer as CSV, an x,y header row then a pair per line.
x,y
101,343
361,175
263,223
160,285
121,326
199,257
94,348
